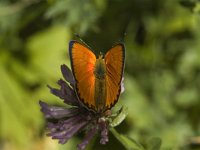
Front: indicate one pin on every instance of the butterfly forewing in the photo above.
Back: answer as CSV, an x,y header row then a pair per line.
x,y
82,64
114,60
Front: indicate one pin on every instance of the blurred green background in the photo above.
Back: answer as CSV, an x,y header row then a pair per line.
x,y
162,73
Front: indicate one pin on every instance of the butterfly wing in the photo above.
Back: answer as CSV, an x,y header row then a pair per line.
x,y
82,64
114,60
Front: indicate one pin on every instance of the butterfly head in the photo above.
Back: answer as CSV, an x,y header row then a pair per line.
x,y
101,55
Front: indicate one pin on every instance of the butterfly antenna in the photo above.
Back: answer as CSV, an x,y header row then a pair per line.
x,y
78,36
121,40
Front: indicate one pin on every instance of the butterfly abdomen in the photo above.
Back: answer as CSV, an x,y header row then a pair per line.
x,y
100,84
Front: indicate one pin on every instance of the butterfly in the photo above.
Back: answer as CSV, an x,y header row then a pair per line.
x,y
98,79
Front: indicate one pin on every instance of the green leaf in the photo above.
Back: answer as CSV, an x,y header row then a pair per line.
x,y
121,115
127,142
154,143
48,49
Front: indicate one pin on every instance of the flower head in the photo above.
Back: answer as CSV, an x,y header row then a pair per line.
x,y
63,122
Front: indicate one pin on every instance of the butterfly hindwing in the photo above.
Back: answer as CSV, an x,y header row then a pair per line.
x,y
82,64
114,60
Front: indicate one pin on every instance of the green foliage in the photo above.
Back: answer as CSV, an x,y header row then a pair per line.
x,y
162,73
81,17
154,144
127,142
119,117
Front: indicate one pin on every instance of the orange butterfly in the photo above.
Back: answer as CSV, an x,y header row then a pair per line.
x,y
98,80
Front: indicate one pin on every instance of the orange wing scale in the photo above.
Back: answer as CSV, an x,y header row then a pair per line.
x,y
82,64
114,60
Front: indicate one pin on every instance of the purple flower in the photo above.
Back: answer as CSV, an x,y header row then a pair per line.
x,y
65,122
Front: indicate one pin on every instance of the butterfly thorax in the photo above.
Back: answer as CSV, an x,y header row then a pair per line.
x,y
100,68
100,83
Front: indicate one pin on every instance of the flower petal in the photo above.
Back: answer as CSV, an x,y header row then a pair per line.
x,y
55,112
72,121
67,74
65,92
103,126
90,134
64,135
68,93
